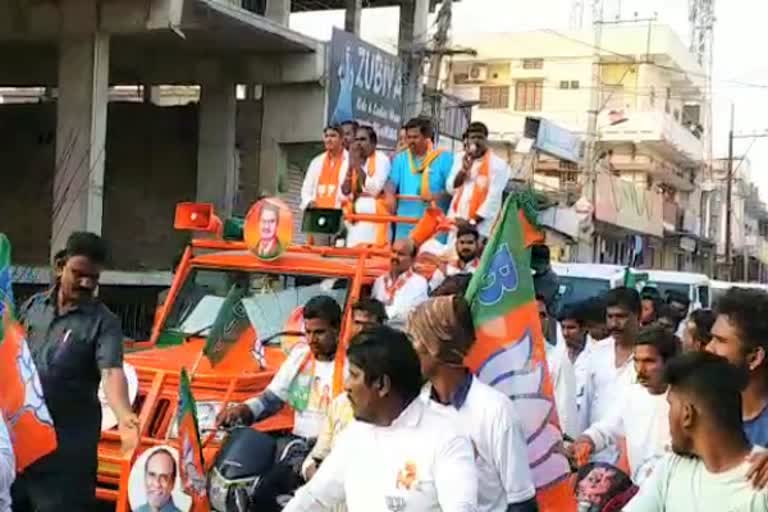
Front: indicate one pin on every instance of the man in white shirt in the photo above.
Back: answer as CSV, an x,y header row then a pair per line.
x,y
561,372
326,173
305,381
468,256
708,471
401,289
442,333
641,416
399,454
7,466
610,366
477,182
366,177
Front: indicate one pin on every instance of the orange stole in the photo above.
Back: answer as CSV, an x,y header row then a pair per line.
x,y
480,190
328,184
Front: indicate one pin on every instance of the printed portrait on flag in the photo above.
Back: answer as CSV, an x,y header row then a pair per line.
x,y
155,483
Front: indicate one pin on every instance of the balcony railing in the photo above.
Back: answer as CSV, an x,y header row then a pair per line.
x,y
659,129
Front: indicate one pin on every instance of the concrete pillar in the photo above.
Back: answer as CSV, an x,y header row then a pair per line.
x,y
278,11
216,172
412,40
81,134
352,16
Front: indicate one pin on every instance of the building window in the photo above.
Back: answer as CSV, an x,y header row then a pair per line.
x,y
574,84
528,95
533,63
494,97
565,84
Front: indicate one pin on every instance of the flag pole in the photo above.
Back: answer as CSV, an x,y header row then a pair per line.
x,y
195,365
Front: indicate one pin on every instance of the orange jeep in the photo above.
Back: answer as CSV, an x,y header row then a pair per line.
x,y
276,289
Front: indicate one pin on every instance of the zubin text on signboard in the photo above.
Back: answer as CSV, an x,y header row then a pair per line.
x,y
365,86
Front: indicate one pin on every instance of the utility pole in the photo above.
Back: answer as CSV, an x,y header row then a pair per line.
x,y
728,192
590,167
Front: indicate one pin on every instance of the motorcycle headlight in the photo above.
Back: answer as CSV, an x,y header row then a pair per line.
x,y
222,492
218,488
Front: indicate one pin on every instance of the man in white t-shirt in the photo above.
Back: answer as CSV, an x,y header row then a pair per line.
x,y
399,453
442,333
468,253
477,182
7,467
561,371
641,416
305,381
401,289
708,471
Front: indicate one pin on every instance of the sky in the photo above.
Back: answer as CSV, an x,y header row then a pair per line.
x,y
740,69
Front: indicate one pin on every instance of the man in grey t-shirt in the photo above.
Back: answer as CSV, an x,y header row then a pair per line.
x,y
708,471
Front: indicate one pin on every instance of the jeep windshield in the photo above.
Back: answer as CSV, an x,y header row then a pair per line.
x,y
269,299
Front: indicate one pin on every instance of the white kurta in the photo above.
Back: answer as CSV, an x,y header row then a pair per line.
x,y
643,420
365,232
309,189
498,176
399,304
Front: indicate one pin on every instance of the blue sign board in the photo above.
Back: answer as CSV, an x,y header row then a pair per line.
x,y
365,85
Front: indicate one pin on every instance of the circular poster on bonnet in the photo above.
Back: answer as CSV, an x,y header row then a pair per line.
x,y
154,482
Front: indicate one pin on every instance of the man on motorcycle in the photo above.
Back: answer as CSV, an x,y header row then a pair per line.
x,y
304,381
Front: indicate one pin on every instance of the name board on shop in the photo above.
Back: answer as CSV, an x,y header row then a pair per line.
x,y
624,204
553,140
365,85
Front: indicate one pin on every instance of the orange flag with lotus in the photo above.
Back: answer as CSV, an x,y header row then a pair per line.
x,y
509,353
21,394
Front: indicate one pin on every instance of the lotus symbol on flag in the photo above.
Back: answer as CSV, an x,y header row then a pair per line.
x,y
33,389
513,371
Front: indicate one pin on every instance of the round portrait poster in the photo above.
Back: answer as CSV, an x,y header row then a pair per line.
x,y
154,482
268,228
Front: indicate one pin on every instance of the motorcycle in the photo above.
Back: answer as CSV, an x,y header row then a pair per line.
x,y
252,472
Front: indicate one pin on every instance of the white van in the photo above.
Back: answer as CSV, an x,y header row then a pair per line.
x,y
695,286
718,288
581,281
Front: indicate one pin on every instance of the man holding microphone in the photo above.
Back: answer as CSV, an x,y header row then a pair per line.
x,y
477,182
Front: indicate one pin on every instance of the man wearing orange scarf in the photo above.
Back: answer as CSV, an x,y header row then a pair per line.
x,y
477,182
326,173
420,171
367,174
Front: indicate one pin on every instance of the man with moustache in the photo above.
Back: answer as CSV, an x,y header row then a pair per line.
x,y
159,478
299,382
641,414
468,252
76,344
740,334
610,366
401,289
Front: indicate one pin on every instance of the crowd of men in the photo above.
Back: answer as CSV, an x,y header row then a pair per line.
x,y
677,397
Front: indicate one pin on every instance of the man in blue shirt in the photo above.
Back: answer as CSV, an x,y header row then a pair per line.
x,y
740,334
420,170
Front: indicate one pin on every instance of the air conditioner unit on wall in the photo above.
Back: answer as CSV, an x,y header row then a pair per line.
x,y
478,73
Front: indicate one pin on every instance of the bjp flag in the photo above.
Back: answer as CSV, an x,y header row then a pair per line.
x,y
21,394
509,352
191,465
